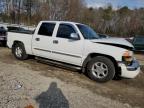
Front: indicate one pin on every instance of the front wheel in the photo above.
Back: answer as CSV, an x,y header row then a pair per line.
x,y
19,51
101,69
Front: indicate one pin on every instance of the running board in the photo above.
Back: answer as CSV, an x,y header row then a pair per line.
x,y
56,63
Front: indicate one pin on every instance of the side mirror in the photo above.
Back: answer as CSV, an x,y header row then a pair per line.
x,y
74,36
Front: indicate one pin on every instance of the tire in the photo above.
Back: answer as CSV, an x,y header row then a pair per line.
x,y
101,69
19,52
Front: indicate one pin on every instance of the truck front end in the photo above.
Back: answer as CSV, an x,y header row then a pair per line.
x,y
122,51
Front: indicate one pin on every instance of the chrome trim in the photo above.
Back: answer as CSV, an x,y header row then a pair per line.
x,y
66,54
58,53
42,50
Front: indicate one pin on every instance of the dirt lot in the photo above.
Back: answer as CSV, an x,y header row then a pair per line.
x,y
24,83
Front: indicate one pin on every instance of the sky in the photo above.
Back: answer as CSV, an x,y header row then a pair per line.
x,y
116,3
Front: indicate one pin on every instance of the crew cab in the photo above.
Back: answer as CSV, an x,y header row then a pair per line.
x,y
77,45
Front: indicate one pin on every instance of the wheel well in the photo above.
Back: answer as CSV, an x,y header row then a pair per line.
x,y
14,43
92,55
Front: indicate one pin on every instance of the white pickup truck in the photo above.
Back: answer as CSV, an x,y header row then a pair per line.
x,y
77,45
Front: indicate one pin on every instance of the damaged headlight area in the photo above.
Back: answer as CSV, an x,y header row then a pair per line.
x,y
127,57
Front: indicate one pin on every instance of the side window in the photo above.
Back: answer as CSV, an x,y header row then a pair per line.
x,y
46,29
65,31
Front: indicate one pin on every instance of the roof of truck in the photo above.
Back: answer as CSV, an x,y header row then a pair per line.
x,y
70,22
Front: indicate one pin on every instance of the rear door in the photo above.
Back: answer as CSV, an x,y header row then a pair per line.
x,y
42,40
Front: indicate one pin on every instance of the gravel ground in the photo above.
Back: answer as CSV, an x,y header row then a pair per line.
x,y
24,83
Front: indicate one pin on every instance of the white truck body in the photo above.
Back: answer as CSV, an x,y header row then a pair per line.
x,y
74,52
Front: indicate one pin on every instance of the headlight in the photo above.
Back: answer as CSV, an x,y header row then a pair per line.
x,y
127,57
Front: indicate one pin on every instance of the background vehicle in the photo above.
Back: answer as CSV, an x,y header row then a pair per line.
x,y
3,36
103,35
77,45
130,39
138,43
19,29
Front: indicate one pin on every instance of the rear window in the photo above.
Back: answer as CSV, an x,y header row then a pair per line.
x,y
46,29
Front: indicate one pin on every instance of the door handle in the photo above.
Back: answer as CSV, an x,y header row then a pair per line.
x,y
55,41
37,39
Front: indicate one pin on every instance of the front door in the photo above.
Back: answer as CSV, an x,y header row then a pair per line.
x,y
64,48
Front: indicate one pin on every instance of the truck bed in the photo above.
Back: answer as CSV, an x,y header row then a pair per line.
x,y
26,38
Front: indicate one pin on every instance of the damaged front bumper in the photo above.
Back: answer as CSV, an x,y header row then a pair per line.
x,y
129,71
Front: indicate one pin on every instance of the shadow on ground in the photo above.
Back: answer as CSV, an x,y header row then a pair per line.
x,y
52,98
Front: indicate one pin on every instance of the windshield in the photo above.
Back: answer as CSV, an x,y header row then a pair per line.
x,y
87,32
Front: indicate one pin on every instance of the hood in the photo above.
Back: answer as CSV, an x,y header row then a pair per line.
x,y
117,42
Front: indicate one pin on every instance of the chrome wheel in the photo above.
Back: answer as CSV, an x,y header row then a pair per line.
x,y
18,52
99,70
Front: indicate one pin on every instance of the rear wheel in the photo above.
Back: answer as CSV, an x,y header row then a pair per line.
x,y
19,51
101,69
